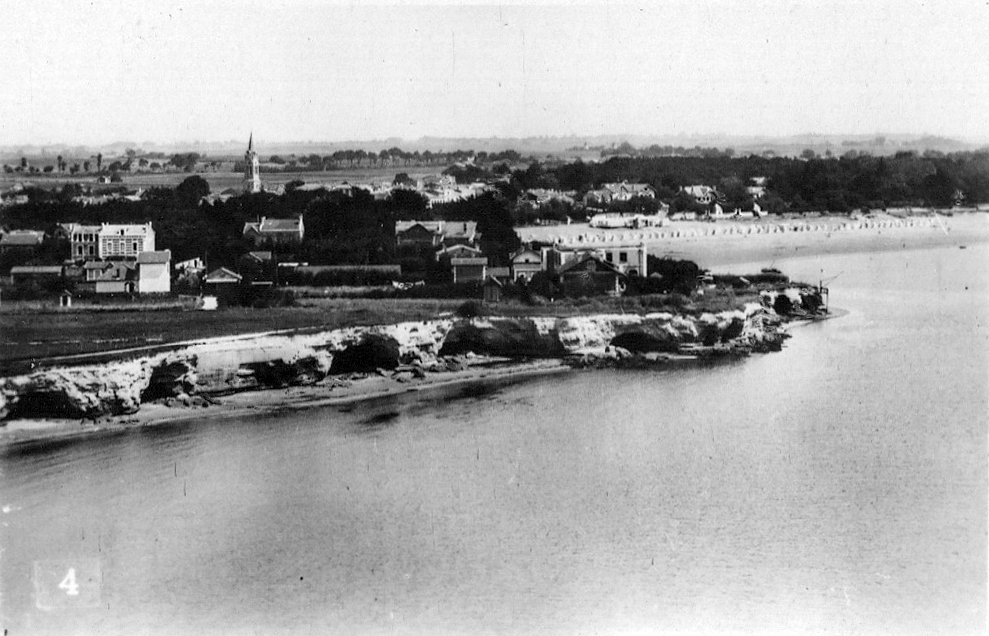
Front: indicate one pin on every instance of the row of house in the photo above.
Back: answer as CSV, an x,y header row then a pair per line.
x,y
615,192
436,233
106,258
580,271
149,273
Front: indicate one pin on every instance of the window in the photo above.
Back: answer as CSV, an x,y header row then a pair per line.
x,y
622,257
607,256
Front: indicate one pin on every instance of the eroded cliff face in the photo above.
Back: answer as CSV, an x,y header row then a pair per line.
x,y
275,360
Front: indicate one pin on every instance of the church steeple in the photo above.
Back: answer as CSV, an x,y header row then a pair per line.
x,y
252,168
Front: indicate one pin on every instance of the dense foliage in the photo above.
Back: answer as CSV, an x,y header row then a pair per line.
x,y
834,184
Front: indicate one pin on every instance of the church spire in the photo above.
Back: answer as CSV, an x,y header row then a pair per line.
x,y
252,167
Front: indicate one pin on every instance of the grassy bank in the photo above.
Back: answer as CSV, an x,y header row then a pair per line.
x,y
30,335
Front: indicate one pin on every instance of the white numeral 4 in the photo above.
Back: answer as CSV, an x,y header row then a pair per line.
x,y
69,583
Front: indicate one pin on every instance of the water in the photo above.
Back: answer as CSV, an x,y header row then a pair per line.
x,y
836,487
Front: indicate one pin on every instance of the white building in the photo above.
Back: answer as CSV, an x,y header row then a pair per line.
x,y
629,259
125,240
154,273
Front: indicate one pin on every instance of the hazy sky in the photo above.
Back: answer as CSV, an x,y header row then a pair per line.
x,y
95,72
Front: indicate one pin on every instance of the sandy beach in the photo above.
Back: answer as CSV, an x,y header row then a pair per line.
x,y
720,245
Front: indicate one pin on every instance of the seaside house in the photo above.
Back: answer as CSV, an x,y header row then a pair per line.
x,y
21,241
125,240
590,275
85,241
417,233
35,274
275,231
435,233
469,269
526,263
113,277
154,274
221,278
703,194
492,290
629,259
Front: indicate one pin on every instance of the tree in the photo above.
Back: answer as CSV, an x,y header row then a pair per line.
x,y
402,178
783,305
191,190
99,162
24,162
85,166
807,154
60,163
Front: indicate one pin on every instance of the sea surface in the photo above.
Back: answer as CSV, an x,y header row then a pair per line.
x,y
836,487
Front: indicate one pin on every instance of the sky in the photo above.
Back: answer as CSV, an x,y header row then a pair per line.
x,y
98,72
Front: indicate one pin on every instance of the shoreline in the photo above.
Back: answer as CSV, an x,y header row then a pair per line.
x,y
23,433
332,391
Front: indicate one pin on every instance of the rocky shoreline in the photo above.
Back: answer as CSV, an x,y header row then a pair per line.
x,y
239,375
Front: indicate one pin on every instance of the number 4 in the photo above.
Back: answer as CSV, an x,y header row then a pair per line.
x,y
69,583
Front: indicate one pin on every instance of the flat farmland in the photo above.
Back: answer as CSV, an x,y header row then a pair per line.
x,y
219,181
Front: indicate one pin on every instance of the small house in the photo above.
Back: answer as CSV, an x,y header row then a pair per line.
x,y
492,290
468,269
525,264
590,275
154,274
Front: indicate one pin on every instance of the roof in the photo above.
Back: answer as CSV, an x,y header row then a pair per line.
x,y
23,238
146,258
117,270
460,248
628,187
524,250
464,262
261,256
280,225
499,272
36,269
129,228
86,229
223,275
698,190
447,228
600,264
417,228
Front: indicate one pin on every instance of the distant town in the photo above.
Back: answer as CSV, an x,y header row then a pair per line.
x,y
239,229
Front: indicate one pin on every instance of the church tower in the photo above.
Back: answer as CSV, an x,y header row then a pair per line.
x,y
252,168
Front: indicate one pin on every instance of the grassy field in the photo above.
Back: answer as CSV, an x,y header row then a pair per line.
x,y
29,334
219,181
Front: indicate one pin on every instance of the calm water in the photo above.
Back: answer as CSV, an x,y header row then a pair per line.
x,y
836,487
